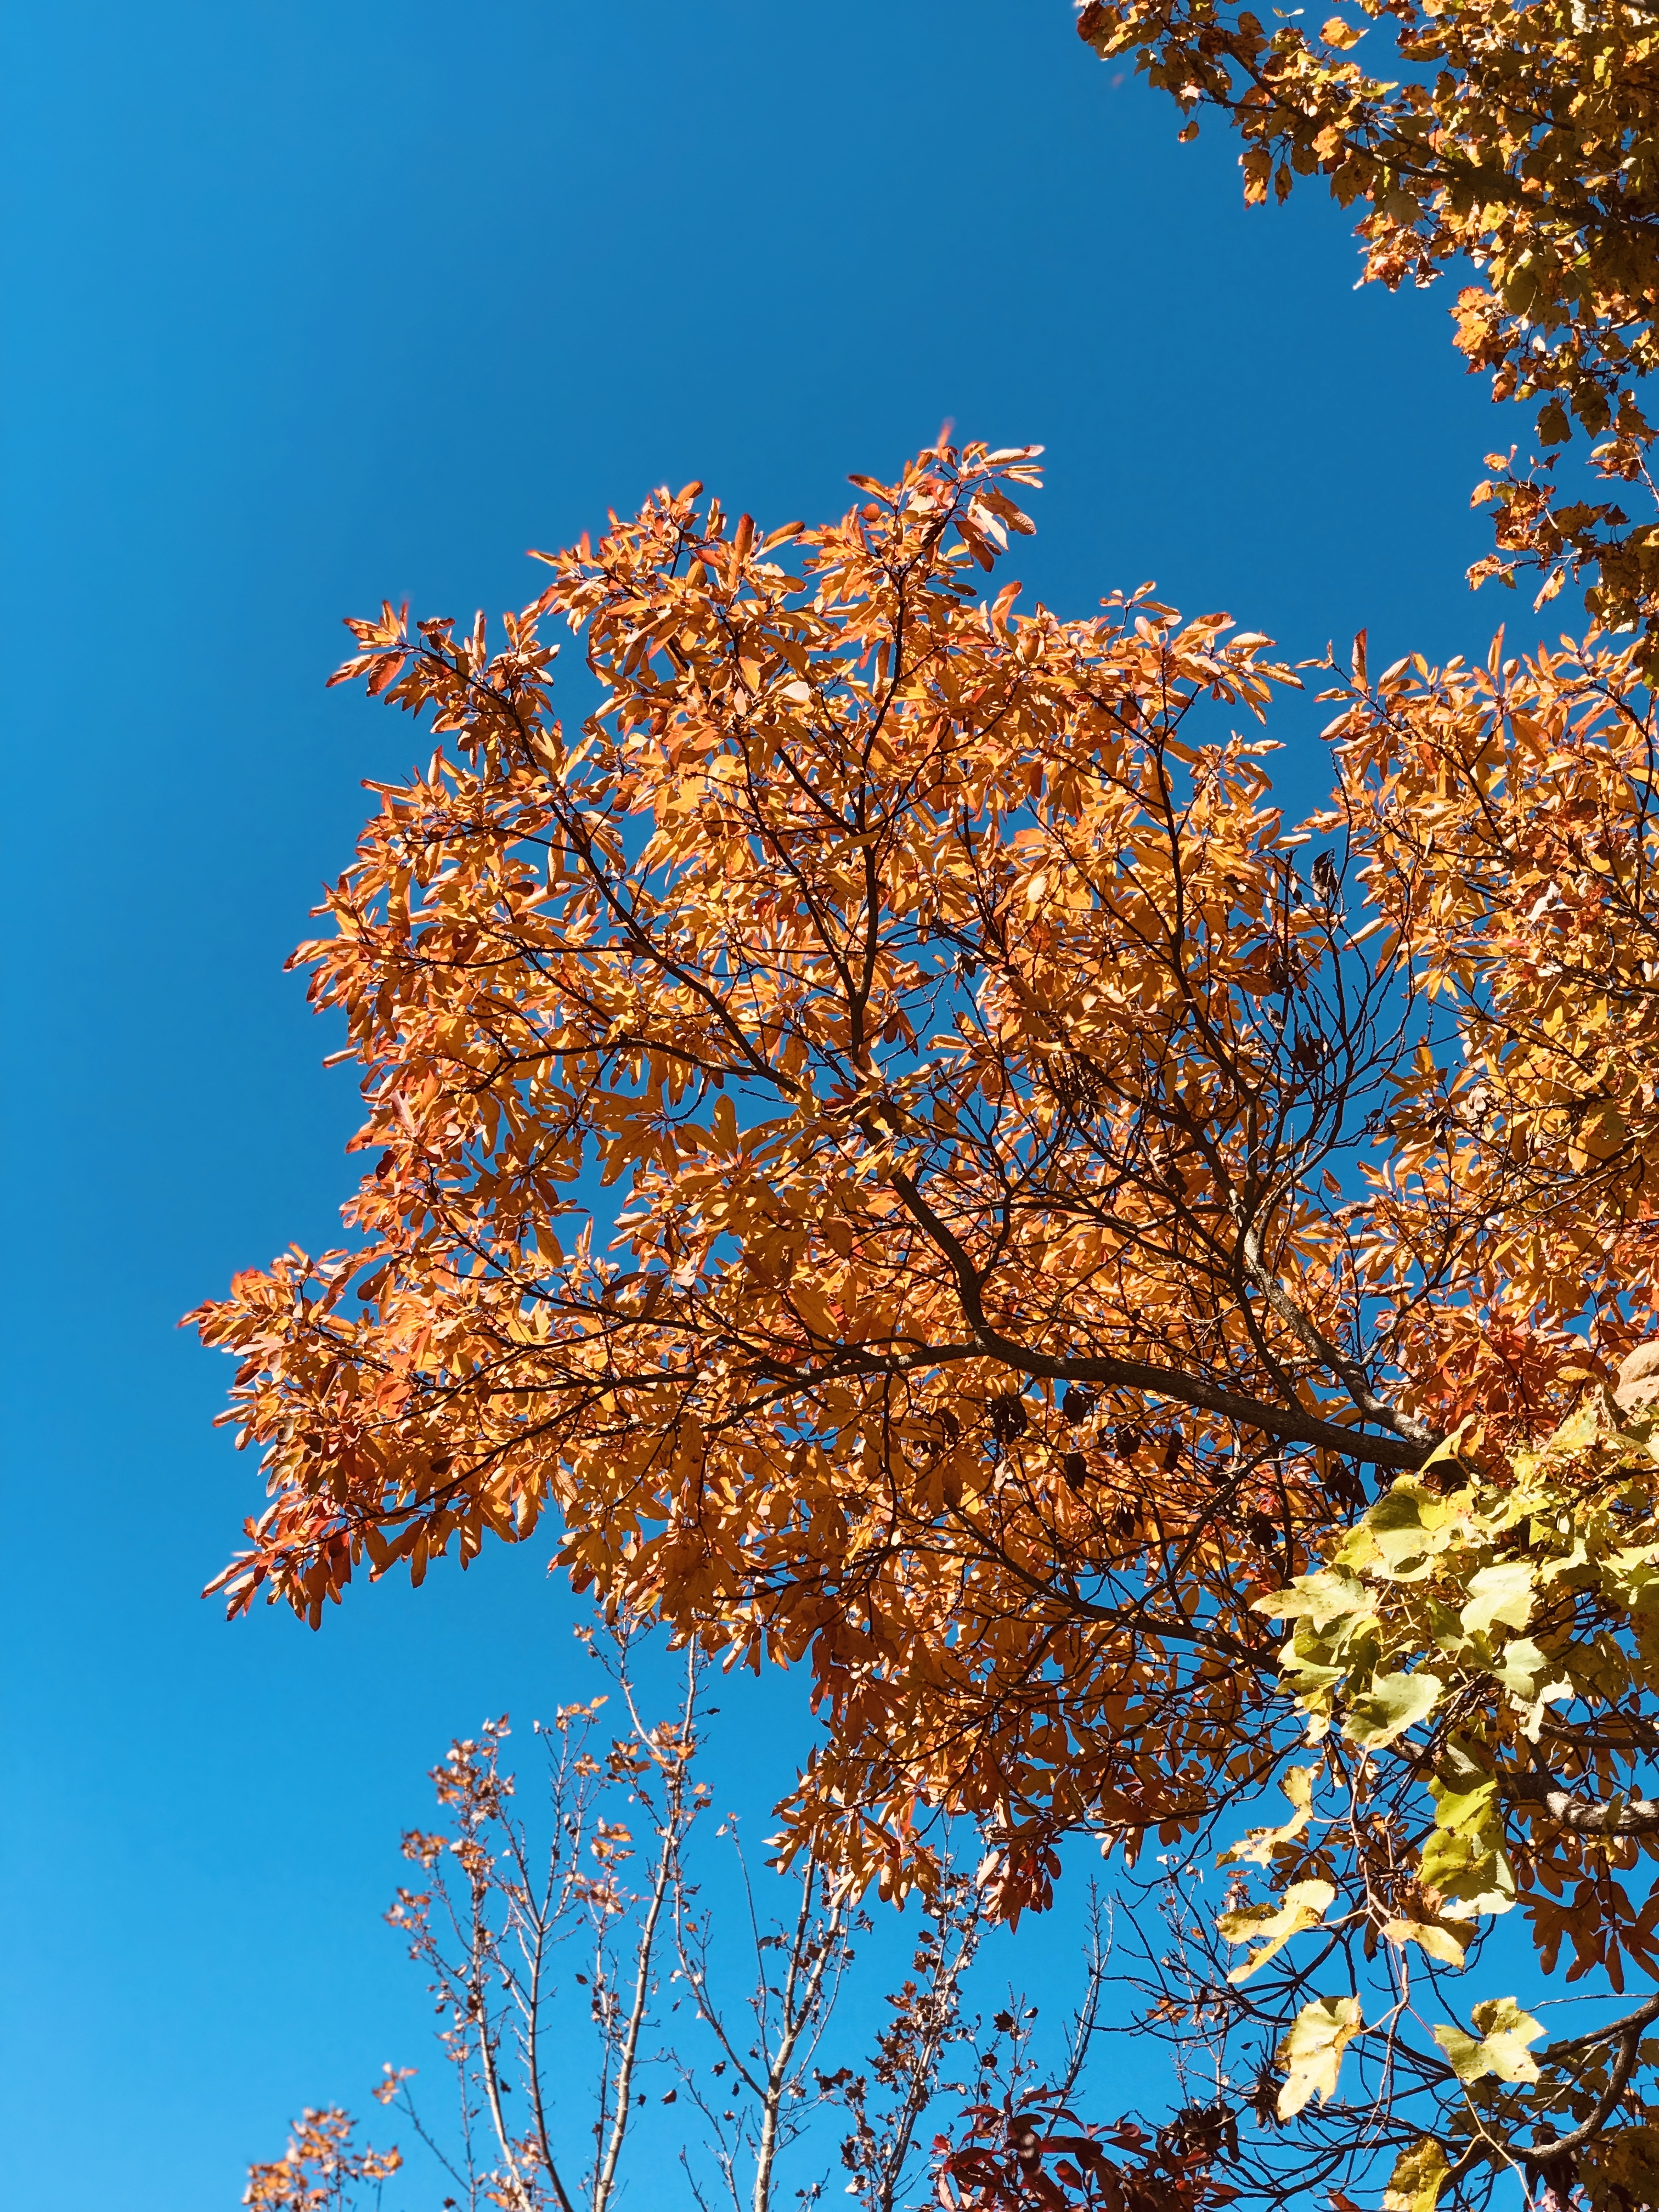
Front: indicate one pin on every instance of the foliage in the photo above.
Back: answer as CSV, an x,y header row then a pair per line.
x,y
1004,2162
1038,1186
1518,140
1477,1665
322,2164
1035,1196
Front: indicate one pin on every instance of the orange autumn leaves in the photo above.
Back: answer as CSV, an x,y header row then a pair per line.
x,y
888,1137
1515,143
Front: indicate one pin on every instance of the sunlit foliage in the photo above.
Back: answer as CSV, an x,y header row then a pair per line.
x,y
1516,142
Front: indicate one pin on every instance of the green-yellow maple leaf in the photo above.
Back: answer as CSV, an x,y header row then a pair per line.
x,y
1312,2054
1500,2049
1305,1905
1258,1847
1419,2175
1392,1704
1500,1594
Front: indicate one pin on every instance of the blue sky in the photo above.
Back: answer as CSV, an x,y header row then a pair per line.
x,y
311,304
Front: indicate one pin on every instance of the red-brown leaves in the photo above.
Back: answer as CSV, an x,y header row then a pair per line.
x,y
1028,2155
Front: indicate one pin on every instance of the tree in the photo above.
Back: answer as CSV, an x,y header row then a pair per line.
x,y
1519,141
1045,1183
553,2066
321,2169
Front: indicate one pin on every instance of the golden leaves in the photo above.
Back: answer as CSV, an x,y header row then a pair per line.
x,y
1270,1927
1312,2054
1527,1582
1445,1945
1262,1844
1392,1703
1498,1596
1419,2174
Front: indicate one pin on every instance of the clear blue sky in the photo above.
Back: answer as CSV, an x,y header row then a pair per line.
x,y
306,304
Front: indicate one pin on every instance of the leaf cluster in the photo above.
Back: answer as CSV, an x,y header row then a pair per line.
x,y
1478,1672
1517,141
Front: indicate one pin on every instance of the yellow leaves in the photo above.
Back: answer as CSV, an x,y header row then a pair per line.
x,y
1442,1944
1499,1595
1419,2174
1310,2055
1394,1704
1464,1861
1499,2047
1259,1847
1454,1579
1341,35
1583,1427
1599,1133
1303,1906
1521,1667
1320,1599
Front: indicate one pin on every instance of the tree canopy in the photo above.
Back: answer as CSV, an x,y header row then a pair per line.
x,y
893,1139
